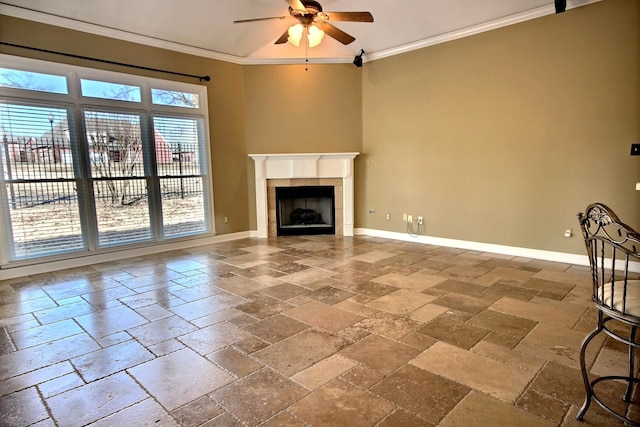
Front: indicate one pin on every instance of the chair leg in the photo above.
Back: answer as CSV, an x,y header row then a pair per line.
x,y
583,367
632,351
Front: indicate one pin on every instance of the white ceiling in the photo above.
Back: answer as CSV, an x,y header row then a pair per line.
x,y
206,28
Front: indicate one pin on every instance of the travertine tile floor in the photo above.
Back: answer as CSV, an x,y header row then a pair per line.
x,y
295,331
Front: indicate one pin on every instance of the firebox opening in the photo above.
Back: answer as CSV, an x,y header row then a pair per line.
x,y
305,210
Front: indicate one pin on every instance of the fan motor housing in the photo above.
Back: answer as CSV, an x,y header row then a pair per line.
x,y
311,4
312,9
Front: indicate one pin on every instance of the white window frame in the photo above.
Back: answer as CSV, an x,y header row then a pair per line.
x,y
79,103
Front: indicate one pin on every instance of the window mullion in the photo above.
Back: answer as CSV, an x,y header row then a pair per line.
x,y
84,183
6,232
153,185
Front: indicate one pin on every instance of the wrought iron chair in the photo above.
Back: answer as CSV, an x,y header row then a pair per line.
x,y
613,248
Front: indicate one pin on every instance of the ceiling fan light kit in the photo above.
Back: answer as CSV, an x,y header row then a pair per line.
x,y
314,35
311,18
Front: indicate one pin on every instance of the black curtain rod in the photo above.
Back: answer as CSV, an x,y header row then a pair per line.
x,y
104,61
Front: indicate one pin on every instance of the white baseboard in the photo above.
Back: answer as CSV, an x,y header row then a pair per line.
x,y
479,246
80,261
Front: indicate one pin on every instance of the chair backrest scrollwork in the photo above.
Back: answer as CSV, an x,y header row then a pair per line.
x,y
612,247
600,222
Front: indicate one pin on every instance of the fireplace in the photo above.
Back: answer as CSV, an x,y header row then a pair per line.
x,y
305,210
304,170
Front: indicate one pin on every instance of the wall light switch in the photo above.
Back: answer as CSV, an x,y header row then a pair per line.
x,y
635,149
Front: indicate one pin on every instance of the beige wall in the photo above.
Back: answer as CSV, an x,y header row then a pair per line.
x,y
500,137
503,137
290,109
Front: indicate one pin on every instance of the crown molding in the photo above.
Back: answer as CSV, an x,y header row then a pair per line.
x,y
476,29
59,21
72,24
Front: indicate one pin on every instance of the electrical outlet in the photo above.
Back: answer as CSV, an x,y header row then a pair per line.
x,y
404,217
409,218
388,217
419,220
568,232
226,219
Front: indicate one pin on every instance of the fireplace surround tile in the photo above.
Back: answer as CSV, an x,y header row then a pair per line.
x,y
288,170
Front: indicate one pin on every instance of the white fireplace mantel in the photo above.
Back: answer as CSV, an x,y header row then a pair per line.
x,y
303,165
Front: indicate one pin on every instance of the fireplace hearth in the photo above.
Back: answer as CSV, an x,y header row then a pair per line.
x,y
305,210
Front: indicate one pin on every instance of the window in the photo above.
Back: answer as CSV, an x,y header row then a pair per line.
x,y
107,90
41,211
123,162
21,79
171,97
180,173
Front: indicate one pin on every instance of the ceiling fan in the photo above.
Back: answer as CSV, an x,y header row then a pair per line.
x,y
312,19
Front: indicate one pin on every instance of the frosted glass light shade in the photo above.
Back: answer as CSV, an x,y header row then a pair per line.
x,y
315,36
295,34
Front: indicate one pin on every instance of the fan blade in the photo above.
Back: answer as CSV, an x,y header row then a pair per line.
x,y
283,38
337,33
259,19
296,5
350,16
